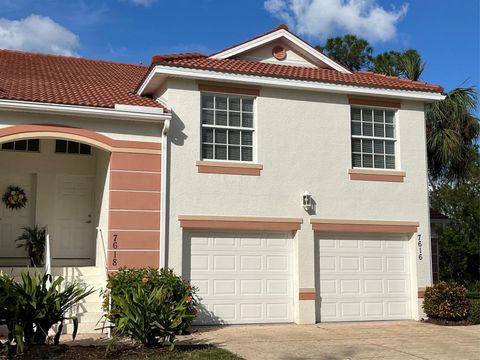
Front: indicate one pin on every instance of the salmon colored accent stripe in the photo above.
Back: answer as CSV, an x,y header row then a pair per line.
x,y
133,259
240,225
134,181
222,88
306,296
138,240
364,228
134,220
389,103
125,200
376,177
228,170
109,144
136,162
421,293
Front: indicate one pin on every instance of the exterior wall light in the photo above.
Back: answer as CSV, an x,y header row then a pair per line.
x,y
307,201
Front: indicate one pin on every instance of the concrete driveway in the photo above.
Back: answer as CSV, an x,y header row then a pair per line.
x,y
372,340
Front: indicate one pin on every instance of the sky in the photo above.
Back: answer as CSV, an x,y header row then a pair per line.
x,y
445,32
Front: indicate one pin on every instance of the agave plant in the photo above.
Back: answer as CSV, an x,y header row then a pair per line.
x,y
34,243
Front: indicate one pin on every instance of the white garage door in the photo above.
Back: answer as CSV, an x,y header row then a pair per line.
x,y
363,278
242,277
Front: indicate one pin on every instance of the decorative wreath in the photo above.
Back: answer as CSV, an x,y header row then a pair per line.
x,y
14,198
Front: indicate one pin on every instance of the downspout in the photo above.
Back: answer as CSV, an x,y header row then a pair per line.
x,y
163,194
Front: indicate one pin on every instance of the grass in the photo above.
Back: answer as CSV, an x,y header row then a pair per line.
x,y
199,354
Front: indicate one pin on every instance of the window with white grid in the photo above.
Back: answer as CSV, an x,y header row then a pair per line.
x,y
227,127
373,138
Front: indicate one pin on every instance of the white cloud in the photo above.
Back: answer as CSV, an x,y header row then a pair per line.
x,y
323,18
38,34
145,3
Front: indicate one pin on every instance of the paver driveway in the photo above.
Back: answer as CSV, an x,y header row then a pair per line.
x,y
372,340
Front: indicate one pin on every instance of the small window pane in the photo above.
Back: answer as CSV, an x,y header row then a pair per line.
x,y
367,115
247,105
247,154
367,129
379,131
389,131
207,151
221,102
85,149
357,160
61,146
356,145
390,162
220,152
8,146
367,161
234,137
378,116
378,146
21,145
389,117
355,114
234,118
33,145
247,120
234,103
220,136
234,153
207,117
389,147
247,138
356,128
379,162
220,118
367,146
207,101
73,147
207,135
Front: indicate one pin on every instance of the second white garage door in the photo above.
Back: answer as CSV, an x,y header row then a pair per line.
x,y
363,278
242,277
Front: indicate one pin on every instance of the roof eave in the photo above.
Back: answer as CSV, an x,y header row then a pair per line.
x,y
200,74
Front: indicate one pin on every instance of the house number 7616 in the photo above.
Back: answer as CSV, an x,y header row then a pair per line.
x,y
419,243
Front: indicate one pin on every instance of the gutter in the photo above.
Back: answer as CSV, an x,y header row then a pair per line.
x,y
121,112
164,195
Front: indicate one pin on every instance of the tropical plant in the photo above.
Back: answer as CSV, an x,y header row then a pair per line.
x,y
31,307
148,305
447,301
353,52
387,63
411,64
34,243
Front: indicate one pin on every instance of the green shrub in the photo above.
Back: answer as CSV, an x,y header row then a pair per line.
x,y
31,307
148,305
446,301
474,313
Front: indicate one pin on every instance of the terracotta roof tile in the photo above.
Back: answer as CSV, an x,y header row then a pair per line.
x,y
70,81
237,66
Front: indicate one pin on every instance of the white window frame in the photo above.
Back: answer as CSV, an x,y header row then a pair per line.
x,y
394,139
69,153
253,129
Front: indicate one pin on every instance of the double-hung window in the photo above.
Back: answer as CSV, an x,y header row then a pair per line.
x,y
227,127
373,138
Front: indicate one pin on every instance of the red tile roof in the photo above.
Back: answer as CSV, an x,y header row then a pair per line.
x,y
366,79
70,81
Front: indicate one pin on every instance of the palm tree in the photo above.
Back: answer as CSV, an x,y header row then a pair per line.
x,y
387,63
451,133
411,64
353,52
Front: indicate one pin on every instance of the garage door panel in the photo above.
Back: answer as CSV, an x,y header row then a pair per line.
x,y
243,277
363,279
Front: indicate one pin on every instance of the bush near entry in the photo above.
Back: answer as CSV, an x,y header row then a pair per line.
x,y
447,301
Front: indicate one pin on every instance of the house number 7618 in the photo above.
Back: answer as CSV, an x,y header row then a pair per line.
x,y
419,243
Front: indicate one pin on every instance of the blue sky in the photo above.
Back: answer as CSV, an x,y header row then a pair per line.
x,y
445,32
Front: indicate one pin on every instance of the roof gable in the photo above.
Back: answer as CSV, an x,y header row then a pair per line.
x,y
297,52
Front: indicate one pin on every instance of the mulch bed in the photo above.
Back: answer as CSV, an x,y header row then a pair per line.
x,y
77,352
448,322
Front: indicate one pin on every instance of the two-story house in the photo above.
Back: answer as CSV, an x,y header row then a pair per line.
x,y
286,187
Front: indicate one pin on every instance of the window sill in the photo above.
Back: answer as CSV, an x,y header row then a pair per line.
x,y
377,175
228,168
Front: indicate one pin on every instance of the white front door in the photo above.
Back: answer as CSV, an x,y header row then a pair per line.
x,y
242,277
72,241
363,278
12,221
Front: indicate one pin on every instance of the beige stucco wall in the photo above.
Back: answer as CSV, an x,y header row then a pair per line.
x,y
303,143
